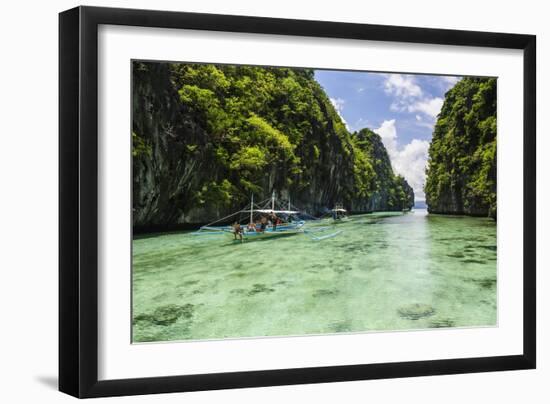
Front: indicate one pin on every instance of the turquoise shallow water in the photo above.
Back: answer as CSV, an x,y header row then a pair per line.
x,y
384,271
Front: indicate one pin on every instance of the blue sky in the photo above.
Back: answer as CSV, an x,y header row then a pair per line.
x,y
401,108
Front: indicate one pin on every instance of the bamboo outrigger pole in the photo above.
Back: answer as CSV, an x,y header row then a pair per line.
x,y
251,208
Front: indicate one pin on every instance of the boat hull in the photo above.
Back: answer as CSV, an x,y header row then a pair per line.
x,y
283,230
256,236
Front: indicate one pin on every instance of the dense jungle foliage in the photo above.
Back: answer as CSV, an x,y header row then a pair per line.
x,y
206,137
461,174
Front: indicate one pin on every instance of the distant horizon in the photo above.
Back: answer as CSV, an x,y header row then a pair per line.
x,y
401,108
422,204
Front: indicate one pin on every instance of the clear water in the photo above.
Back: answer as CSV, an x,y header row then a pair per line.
x,y
388,271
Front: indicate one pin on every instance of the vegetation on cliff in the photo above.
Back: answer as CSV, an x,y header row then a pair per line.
x,y
461,173
205,137
393,191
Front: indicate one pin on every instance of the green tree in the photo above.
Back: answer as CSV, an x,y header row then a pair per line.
x,y
461,173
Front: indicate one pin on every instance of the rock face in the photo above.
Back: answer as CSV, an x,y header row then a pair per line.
x,y
166,172
461,174
391,192
207,137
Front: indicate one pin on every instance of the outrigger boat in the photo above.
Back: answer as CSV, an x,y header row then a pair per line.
x,y
247,222
339,214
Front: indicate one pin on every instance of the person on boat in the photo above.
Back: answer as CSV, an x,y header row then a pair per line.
x,y
263,224
273,217
237,231
251,226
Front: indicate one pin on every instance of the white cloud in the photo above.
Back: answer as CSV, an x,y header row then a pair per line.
x,y
360,124
409,161
398,106
338,104
425,124
430,107
388,133
409,96
418,117
449,81
402,86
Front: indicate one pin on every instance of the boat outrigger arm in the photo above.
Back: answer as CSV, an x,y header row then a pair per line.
x,y
284,212
290,224
339,214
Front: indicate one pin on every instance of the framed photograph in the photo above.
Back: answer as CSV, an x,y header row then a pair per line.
x,y
251,201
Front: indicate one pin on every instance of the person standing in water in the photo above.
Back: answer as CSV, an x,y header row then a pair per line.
x,y
273,217
237,231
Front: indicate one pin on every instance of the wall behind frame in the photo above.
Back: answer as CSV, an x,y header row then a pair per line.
x,y
28,172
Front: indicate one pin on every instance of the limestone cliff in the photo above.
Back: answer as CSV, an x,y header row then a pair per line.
x,y
206,137
461,175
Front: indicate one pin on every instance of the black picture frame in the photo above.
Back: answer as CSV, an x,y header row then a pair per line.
x,y
78,201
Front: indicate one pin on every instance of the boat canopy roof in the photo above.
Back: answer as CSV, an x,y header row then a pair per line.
x,y
339,210
285,212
